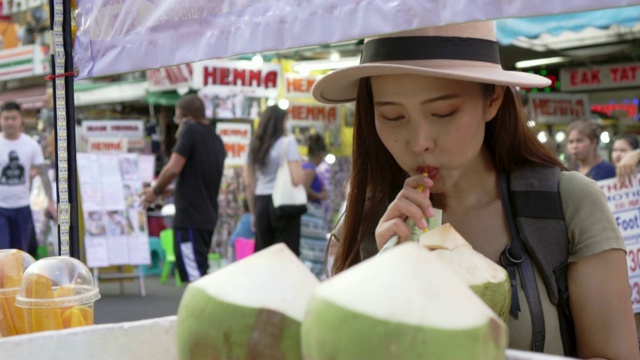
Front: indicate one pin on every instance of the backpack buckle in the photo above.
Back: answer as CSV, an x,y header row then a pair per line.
x,y
510,259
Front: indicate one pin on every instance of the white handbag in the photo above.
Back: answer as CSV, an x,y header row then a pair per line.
x,y
288,200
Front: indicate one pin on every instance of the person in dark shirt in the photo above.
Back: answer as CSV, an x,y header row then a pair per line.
x,y
582,145
197,161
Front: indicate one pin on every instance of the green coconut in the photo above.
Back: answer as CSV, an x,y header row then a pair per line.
x,y
487,279
405,304
251,309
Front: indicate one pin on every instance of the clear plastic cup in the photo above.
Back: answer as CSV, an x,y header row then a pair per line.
x,y
57,293
12,265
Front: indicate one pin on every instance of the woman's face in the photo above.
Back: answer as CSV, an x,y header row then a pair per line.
x,y
620,149
579,146
433,124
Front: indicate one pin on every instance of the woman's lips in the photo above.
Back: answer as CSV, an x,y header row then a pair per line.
x,y
431,170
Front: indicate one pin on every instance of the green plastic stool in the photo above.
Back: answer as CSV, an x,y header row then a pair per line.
x,y
166,240
41,252
157,258
217,258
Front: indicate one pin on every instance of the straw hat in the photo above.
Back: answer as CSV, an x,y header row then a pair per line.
x,y
461,51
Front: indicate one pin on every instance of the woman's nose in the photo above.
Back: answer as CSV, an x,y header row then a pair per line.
x,y
420,137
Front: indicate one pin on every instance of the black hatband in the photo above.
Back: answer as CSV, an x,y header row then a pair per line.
x,y
430,48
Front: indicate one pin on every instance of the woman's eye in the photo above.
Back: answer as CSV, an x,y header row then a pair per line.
x,y
394,118
442,116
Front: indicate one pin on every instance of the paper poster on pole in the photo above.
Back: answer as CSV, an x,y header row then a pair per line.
x,y
96,251
115,224
146,167
624,203
236,137
90,167
91,193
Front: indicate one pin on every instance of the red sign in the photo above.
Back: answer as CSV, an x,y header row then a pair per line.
x,y
600,77
631,110
169,78
298,85
322,113
236,138
224,78
107,145
558,108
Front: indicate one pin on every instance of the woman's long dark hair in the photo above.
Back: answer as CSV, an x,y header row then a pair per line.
x,y
377,178
270,129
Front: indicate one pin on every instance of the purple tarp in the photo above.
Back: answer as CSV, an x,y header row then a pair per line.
x,y
118,36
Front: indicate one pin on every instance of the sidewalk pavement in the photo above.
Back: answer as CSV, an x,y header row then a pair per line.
x,y
116,306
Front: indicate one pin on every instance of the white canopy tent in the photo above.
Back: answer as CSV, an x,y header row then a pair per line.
x,y
124,36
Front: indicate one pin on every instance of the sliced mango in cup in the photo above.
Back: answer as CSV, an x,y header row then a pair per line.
x,y
12,268
63,292
46,319
40,287
7,327
72,318
87,314
17,315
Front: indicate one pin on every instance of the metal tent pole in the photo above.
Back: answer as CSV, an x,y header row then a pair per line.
x,y
66,169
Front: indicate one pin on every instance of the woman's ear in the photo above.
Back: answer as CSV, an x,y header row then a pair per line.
x,y
493,103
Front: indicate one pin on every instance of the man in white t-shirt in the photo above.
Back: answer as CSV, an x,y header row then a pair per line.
x,y
21,159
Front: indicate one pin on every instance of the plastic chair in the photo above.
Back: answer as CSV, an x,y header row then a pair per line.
x,y
157,258
166,240
217,258
244,247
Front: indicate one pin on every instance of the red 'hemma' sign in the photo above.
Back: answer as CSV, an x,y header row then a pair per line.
x,y
234,76
320,113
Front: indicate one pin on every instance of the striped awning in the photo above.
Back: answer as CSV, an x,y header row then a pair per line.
x,y
31,98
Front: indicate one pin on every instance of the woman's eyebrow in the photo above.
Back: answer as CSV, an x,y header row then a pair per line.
x,y
427,101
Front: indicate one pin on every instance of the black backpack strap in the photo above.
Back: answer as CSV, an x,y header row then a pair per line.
x,y
515,258
537,209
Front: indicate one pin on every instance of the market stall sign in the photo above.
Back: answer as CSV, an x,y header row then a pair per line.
x,y
24,62
313,113
624,203
225,75
129,129
630,109
236,138
600,77
170,78
298,86
100,145
557,108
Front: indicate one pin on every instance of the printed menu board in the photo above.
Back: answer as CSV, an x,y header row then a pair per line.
x,y
116,231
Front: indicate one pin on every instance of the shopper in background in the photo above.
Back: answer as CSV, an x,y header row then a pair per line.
x,y
265,152
243,229
21,159
197,161
582,145
625,156
316,190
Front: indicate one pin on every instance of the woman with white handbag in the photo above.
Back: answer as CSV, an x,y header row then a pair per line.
x,y
273,178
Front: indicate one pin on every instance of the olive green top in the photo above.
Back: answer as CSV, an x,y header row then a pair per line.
x,y
592,230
